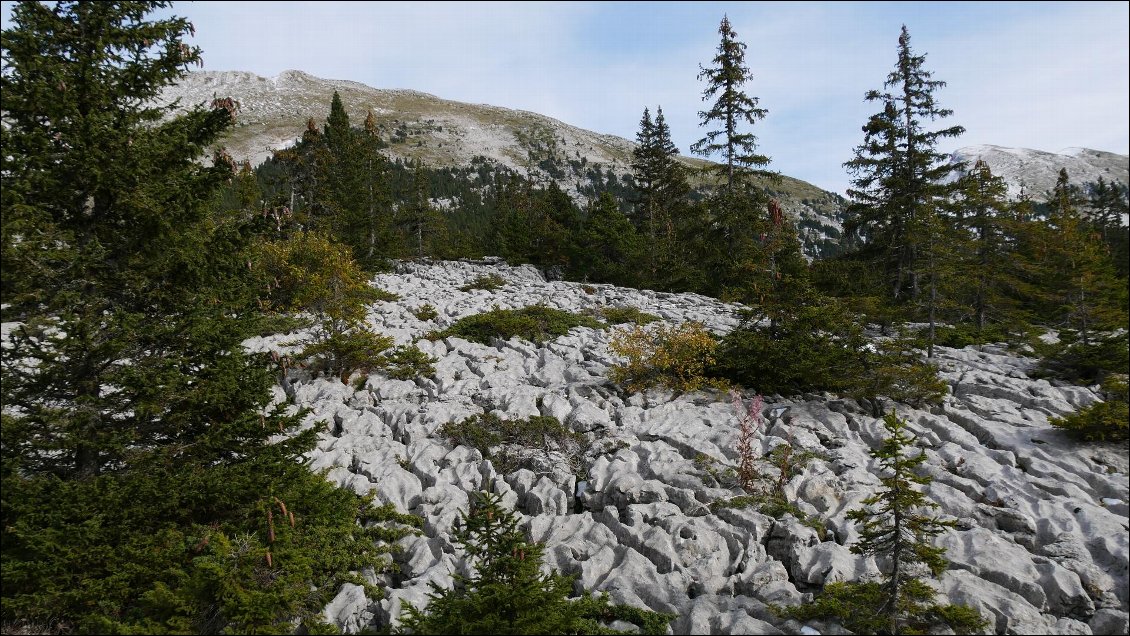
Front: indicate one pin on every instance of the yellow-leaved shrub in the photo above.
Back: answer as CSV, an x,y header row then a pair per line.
x,y
672,357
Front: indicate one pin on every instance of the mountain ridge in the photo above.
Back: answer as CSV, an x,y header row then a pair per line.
x,y
1033,173
446,133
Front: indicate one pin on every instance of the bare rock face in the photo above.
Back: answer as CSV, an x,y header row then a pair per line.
x,y
1041,544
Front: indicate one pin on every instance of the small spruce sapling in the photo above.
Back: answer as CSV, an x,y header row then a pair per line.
x,y
895,528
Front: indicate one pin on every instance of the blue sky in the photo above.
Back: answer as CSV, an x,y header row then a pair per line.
x,y
1041,75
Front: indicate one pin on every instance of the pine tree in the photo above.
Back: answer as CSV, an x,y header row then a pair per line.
x,y
731,109
898,174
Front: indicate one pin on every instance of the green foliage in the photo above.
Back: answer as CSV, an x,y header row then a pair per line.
x,y
626,314
608,244
853,606
311,273
148,486
536,443
815,346
1086,362
894,529
893,369
899,184
508,593
673,357
660,198
969,334
488,282
1106,421
425,312
731,108
536,323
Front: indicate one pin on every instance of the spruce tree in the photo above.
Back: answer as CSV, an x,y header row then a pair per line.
x,y
895,529
425,227
661,191
1079,271
983,213
732,109
609,245
141,483
898,175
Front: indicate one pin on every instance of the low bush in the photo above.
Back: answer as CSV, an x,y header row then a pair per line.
x,y
537,443
855,606
626,314
536,324
489,282
678,358
425,312
1105,421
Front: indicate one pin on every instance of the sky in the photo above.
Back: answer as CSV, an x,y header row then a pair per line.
x,y
1042,75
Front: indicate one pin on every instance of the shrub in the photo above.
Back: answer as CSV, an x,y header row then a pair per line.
x,y
509,594
676,358
893,369
1086,362
1102,421
425,312
855,605
536,324
967,334
537,443
489,282
817,347
626,314
407,362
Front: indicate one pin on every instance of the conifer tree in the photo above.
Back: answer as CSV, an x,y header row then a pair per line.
x,y
895,529
898,174
609,245
981,210
424,225
1079,269
661,185
731,109
140,477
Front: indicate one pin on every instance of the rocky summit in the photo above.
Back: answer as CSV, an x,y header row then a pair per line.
x,y
1040,546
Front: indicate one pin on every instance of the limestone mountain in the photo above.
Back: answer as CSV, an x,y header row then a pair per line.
x,y
443,133
1035,171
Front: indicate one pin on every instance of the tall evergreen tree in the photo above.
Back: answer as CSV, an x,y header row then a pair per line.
x,y
424,225
140,477
1078,268
898,173
732,108
609,247
1109,204
992,293
661,191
